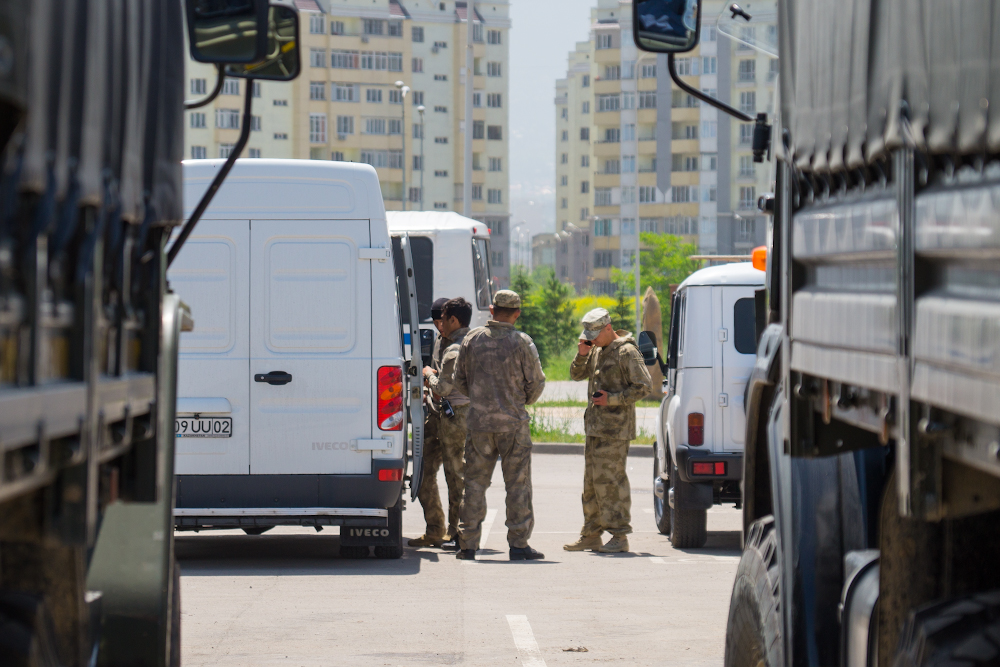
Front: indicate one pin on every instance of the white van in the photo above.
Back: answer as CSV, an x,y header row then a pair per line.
x,y
291,390
451,257
700,426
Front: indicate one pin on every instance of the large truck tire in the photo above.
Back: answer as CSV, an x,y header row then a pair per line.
x,y
661,509
962,631
27,634
688,528
753,633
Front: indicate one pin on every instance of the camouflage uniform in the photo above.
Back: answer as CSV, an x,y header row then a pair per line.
x,y
451,430
498,369
619,370
429,494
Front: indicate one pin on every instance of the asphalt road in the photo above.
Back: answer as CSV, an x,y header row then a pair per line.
x,y
286,598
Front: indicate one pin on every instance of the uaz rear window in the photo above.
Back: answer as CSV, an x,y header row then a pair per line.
x,y
744,329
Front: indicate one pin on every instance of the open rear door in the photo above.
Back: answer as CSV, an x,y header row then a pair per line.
x,y
415,375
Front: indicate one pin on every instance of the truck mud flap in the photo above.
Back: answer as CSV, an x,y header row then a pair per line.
x,y
359,536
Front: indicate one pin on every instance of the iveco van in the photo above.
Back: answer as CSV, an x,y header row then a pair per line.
x,y
291,393
700,426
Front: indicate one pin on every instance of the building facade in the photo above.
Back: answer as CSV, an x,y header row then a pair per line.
x,y
346,104
567,252
634,153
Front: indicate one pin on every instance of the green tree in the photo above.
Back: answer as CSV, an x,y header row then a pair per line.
x,y
664,262
546,310
623,312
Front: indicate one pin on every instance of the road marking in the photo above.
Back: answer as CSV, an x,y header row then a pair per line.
x,y
524,640
487,525
656,559
647,510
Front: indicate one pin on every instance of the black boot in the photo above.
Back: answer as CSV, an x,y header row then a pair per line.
x,y
525,553
466,554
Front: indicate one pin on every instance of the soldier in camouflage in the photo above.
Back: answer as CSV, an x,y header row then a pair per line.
x,y
618,378
455,315
429,495
498,369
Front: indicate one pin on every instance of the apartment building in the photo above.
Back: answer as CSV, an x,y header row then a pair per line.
x,y
346,104
567,252
636,154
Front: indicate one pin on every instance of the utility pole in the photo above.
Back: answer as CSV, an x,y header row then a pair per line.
x,y
421,110
470,12
403,90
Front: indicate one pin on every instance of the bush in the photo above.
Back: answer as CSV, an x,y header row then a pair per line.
x,y
546,311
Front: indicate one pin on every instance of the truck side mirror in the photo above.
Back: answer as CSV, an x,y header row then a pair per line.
x,y
227,31
281,60
666,26
647,347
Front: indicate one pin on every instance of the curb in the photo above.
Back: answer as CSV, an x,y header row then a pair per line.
x,y
637,451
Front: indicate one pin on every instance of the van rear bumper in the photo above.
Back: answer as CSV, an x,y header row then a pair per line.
x,y
287,499
687,456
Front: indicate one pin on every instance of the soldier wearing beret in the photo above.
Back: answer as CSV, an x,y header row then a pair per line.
x,y
613,365
498,369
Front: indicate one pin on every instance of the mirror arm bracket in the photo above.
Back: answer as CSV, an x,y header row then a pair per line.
x,y
220,79
694,92
206,199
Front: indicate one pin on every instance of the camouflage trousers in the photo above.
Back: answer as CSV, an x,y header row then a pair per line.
x,y
481,451
444,443
607,496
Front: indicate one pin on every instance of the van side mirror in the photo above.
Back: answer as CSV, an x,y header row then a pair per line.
x,y
280,61
227,31
647,347
666,26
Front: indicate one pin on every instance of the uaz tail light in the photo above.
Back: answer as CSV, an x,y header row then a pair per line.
x,y
389,395
696,428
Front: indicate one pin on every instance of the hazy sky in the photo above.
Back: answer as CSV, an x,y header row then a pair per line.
x,y
542,34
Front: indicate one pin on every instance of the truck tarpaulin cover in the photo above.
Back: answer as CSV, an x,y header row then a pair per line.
x,y
852,71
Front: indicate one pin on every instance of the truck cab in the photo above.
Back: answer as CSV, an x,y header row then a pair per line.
x,y
702,421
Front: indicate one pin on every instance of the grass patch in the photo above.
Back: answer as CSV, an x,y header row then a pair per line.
x,y
557,368
552,429
583,404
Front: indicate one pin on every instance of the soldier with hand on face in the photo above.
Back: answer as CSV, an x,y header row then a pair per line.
x,y
498,369
618,378
455,317
429,496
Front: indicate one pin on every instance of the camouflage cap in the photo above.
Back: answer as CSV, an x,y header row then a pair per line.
x,y
594,322
506,298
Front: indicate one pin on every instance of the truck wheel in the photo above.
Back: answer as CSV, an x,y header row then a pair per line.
x,y
392,551
959,631
661,510
688,528
753,633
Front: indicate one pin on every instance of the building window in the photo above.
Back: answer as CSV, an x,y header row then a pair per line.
x,y
773,69
255,123
564,158
337,156
345,92
415,194
708,33
647,194
494,132
584,134
395,96
231,87
418,130
417,65
604,41
612,166
564,180
395,28
709,65
477,100
602,259
477,32
373,26
602,196
746,166
647,99
197,119
690,163
565,203
441,172
584,160
496,164
494,100
493,69
254,152
709,193
440,77
709,161
494,196
649,225
686,66
417,34
199,87
199,152
478,129
225,150
612,72
628,164
340,59
748,102
280,136
441,204
337,27
679,194
585,81
612,135
584,187
440,45
317,90
227,119
440,140
565,135
746,134
317,128
317,58
441,109
602,227
418,97
477,192
279,103
498,258
373,95
748,197
418,163
317,24
493,36
395,126
628,194
709,128
383,159
345,125
648,71
608,103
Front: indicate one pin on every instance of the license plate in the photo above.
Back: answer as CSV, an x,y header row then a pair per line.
x,y
209,427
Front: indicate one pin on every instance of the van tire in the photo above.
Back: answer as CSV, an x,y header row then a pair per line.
x,y
688,528
393,551
753,632
353,552
661,509
958,631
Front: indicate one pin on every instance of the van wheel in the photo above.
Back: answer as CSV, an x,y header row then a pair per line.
x,y
959,631
688,528
753,633
661,509
396,530
353,552
257,530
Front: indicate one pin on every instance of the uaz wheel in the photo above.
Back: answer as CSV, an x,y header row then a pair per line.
x,y
661,510
688,528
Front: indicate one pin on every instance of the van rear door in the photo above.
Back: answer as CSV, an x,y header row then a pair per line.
x,y
738,356
311,394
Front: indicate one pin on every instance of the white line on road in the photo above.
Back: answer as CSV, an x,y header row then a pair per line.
x,y
524,640
647,510
656,559
487,525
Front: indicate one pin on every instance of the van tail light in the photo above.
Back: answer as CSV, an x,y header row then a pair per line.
x,y
696,428
390,474
717,468
389,395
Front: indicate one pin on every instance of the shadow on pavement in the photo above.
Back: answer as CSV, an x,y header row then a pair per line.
x,y
285,555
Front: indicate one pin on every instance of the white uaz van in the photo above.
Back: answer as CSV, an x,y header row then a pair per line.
x,y
700,426
291,389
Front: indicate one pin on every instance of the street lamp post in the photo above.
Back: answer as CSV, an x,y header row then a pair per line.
x,y
403,89
421,110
